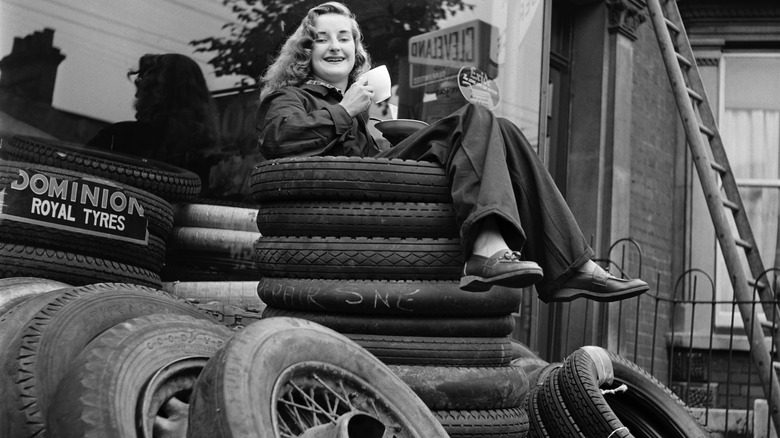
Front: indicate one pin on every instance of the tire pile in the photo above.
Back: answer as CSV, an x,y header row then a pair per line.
x,y
594,392
114,360
76,359
365,328
211,242
62,178
370,248
209,258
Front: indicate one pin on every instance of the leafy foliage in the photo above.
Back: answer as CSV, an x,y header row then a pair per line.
x,y
262,26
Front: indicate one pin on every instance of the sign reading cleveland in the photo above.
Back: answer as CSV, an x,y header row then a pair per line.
x,y
437,55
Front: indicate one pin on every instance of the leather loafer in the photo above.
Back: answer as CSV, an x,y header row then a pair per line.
x,y
504,268
598,286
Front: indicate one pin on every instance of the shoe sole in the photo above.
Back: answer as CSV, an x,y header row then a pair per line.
x,y
567,294
514,280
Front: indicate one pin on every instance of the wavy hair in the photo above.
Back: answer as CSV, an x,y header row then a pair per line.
x,y
172,95
293,65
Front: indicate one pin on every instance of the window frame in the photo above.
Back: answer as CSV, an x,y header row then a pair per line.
x,y
725,317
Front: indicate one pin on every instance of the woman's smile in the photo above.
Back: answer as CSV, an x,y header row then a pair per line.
x,y
333,53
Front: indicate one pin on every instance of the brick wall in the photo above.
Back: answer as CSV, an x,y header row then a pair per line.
x,y
653,138
728,377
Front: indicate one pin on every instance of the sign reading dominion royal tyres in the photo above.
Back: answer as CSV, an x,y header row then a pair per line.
x,y
83,205
438,55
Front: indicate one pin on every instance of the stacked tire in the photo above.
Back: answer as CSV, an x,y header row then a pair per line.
x,y
31,247
212,242
594,392
209,258
370,248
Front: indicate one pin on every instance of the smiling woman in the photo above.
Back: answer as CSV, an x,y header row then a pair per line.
x,y
101,41
315,103
335,37
333,55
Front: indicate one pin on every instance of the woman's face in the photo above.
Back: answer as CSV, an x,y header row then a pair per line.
x,y
333,55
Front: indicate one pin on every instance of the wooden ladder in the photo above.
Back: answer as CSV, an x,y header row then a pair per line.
x,y
712,165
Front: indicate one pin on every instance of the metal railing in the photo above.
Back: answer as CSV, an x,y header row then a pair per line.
x,y
686,336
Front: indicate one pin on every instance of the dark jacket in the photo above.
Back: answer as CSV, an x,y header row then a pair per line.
x,y
308,121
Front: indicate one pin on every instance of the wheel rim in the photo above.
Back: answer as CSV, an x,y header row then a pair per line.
x,y
171,384
310,394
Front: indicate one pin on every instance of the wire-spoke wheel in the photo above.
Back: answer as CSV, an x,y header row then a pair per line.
x,y
313,394
287,377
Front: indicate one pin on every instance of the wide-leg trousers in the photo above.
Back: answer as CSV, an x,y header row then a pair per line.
x,y
493,170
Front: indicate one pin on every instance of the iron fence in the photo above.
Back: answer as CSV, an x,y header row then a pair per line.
x,y
687,336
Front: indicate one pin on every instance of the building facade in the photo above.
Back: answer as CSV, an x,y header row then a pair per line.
x,y
600,111
585,81
621,158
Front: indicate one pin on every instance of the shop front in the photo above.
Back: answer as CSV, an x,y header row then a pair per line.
x,y
585,83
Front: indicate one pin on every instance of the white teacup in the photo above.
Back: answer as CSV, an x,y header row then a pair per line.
x,y
379,78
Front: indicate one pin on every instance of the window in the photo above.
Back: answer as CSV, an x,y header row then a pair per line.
x,y
76,60
749,117
499,39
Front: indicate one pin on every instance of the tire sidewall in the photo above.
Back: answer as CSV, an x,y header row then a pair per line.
x,y
248,370
105,381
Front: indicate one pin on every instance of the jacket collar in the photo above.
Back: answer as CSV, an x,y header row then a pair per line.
x,y
319,87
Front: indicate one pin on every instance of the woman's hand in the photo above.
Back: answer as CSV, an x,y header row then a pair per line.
x,y
357,98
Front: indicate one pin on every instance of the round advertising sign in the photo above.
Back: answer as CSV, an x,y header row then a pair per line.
x,y
477,87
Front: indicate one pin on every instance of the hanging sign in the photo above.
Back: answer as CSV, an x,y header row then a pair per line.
x,y
437,55
84,205
477,87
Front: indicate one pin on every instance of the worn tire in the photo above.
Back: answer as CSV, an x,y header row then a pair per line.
x,y
581,379
210,214
238,392
399,326
168,182
528,360
214,241
536,378
443,351
536,428
14,290
219,249
150,256
69,267
359,258
99,395
57,333
496,423
349,178
647,406
358,219
538,375
386,297
557,416
198,267
465,388
11,323
242,294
